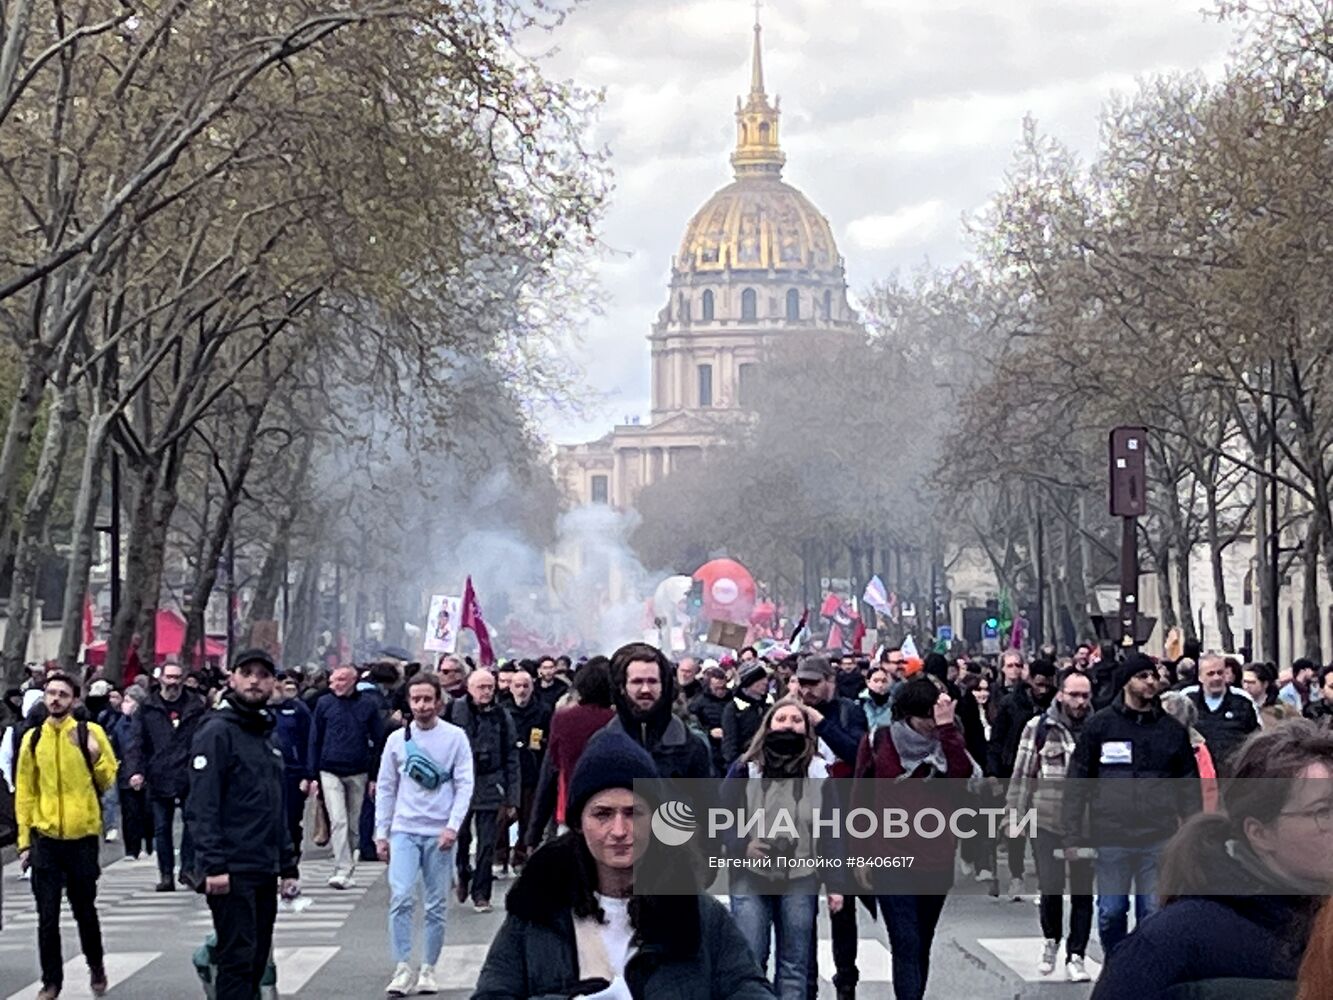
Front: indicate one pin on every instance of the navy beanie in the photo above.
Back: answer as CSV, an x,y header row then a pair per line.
x,y
610,760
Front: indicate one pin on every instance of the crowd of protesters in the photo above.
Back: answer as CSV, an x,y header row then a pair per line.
x,y
459,776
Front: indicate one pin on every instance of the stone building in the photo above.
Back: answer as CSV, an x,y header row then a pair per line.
x,y
758,263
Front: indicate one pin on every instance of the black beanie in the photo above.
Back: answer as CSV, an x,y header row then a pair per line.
x,y
610,760
1132,664
752,673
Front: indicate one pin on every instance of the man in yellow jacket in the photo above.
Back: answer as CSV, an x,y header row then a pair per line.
x,y
64,766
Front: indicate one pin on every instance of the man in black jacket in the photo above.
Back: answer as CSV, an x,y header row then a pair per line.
x,y
532,729
1226,716
242,844
1032,693
495,794
708,707
160,737
1131,782
644,689
742,715
841,725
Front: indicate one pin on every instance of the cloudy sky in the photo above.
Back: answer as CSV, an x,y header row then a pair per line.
x,y
899,117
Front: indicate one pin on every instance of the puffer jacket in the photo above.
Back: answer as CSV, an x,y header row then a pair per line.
x,y
55,794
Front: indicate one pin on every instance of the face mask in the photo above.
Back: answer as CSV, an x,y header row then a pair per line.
x,y
785,743
880,699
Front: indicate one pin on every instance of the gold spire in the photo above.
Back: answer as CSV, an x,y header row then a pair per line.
x,y
757,150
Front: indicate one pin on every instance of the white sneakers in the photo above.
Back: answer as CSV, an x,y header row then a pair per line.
x,y
112,835
404,983
985,875
340,881
1076,971
1016,890
426,980
1048,952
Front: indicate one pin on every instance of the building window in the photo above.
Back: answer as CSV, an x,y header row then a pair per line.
x,y
793,304
749,304
745,386
601,489
705,385
684,309
828,306
708,307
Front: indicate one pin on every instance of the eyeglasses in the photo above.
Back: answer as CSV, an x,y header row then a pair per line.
x,y
1322,816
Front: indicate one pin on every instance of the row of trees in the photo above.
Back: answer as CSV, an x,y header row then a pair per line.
x,y
1179,280
291,269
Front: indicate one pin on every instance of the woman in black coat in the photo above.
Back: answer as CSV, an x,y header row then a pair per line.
x,y
1257,872
573,926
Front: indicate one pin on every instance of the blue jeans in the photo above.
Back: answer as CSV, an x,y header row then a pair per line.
x,y
110,810
911,923
164,819
789,918
1120,869
417,858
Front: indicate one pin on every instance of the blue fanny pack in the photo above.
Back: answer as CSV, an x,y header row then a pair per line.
x,y
420,766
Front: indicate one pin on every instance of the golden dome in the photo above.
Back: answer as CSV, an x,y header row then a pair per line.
x,y
758,223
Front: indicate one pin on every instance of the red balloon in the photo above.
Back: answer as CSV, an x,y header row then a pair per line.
x,y
729,591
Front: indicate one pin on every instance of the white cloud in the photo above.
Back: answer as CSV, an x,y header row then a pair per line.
x,y
884,232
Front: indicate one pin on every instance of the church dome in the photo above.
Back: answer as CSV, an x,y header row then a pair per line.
x,y
758,223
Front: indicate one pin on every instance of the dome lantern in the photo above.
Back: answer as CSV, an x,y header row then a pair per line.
x,y
757,150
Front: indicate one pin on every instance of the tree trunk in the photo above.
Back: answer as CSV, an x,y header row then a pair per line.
x,y
32,530
1310,611
1215,553
82,539
304,618
1162,567
18,439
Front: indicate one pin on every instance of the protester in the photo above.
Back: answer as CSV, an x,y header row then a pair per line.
x,y
851,679
875,699
550,686
781,903
64,765
921,743
708,708
1044,752
135,814
1296,692
346,735
1226,716
642,683
1259,681
571,728
574,926
495,793
1133,749
235,805
423,792
292,734
1184,710
157,760
1321,711
453,676
743,714
1240,888
840,725
1028,693
688,683
532,728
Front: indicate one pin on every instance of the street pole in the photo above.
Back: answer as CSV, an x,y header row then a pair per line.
x,y
231,595
1129,582
1129,502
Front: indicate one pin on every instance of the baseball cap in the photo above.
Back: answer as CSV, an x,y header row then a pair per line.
x,y
255,656
814,668
99,689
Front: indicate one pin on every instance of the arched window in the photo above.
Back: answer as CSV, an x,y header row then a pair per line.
x,y
708,307
749,304
828,305
793,304
763,133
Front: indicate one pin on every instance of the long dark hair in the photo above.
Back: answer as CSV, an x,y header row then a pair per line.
x,y
1277,756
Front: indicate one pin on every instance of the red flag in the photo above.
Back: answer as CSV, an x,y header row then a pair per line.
x,y
87,619
470,613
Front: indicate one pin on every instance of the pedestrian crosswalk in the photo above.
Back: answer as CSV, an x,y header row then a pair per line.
x,y
1021,955
119,967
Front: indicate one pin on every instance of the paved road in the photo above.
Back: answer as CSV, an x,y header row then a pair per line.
x,y
986,950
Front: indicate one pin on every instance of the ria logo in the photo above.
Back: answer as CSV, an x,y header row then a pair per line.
x,y
673,823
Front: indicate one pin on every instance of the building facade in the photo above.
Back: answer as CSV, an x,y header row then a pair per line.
x,y
758,263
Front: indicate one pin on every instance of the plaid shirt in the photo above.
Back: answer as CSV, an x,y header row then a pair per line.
x,y
1039,773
